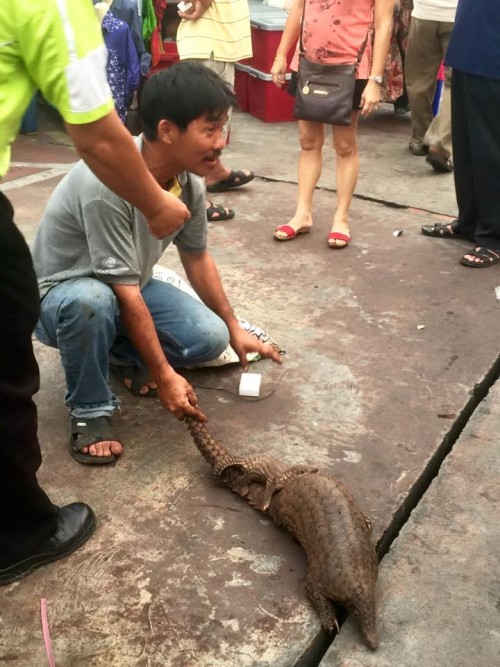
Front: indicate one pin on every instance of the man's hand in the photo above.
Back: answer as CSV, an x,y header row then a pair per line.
x,y
177,396
169,218
243,342
198,9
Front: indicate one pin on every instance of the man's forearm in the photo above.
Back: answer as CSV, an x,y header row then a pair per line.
x,y
204,277
141,330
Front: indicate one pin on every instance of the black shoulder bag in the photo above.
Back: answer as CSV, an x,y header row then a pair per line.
x,y
325,93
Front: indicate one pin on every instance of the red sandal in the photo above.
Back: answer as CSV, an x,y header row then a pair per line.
x,y
290,232
338,236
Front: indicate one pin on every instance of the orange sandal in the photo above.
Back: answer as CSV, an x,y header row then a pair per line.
x,y
290,232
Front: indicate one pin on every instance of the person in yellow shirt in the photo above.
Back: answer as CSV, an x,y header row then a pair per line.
x,y
54,46
217,34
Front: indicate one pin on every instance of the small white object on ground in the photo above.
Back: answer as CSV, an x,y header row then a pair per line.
x,y
397,232
250,384
420,326
497,292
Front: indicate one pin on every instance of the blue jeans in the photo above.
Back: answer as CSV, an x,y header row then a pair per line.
x,y
81,318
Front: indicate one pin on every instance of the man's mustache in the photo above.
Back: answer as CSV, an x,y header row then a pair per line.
x,y
215,155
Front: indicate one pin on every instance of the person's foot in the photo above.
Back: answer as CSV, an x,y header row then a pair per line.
x,y
218,173
104,448
148,388
417,147
297,225
232,179
75,524
135,379
339,235
480,257
217,212
439,160
92,440
443,230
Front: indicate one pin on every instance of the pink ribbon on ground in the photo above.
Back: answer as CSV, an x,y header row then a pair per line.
x,y
46,633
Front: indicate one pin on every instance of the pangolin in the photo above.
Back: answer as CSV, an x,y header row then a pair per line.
x,y
321,514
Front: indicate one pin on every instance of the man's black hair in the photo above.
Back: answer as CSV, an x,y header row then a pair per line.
x,y
182,93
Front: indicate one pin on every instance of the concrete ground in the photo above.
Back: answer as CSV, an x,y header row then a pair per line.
x,y
439,585
391,346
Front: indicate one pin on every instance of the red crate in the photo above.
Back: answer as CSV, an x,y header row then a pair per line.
x,y
241,86
169,56
265,100
266,36
170,49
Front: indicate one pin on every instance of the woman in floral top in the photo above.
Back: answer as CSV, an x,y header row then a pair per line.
x,y
334,32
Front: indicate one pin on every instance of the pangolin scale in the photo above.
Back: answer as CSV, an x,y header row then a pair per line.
x,y
321,514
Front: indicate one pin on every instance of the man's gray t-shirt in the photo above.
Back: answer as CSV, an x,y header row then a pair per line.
x,y
88,231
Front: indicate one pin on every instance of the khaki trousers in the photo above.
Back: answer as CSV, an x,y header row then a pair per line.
x,y
225,70
427,45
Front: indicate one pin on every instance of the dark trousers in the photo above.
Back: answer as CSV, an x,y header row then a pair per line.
x,y
27,517
475,114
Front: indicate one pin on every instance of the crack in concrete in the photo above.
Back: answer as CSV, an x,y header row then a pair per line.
x,y
368,198
314,654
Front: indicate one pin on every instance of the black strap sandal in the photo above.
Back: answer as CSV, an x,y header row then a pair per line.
x,y
138,377
485,257
217,212
235,180
85,432
443,230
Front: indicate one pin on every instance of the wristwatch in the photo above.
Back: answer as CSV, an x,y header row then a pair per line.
x,y
377,78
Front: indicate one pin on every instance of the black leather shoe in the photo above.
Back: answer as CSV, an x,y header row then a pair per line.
x,y
75,524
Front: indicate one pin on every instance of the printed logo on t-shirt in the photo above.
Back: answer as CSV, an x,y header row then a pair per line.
x,y
113,266
110,262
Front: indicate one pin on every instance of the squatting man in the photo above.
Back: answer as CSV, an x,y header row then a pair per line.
x,y
94,261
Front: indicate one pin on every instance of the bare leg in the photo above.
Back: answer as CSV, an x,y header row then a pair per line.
x,y
312,137
346,151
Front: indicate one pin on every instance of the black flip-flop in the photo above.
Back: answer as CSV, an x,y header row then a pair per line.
x,y
138,377
217,213
487,257
85,432
235,180
441,230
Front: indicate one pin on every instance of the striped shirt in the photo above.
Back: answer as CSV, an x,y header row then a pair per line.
x,y
55,46
223,31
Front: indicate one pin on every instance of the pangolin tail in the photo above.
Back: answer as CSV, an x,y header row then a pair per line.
x,y
211,450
